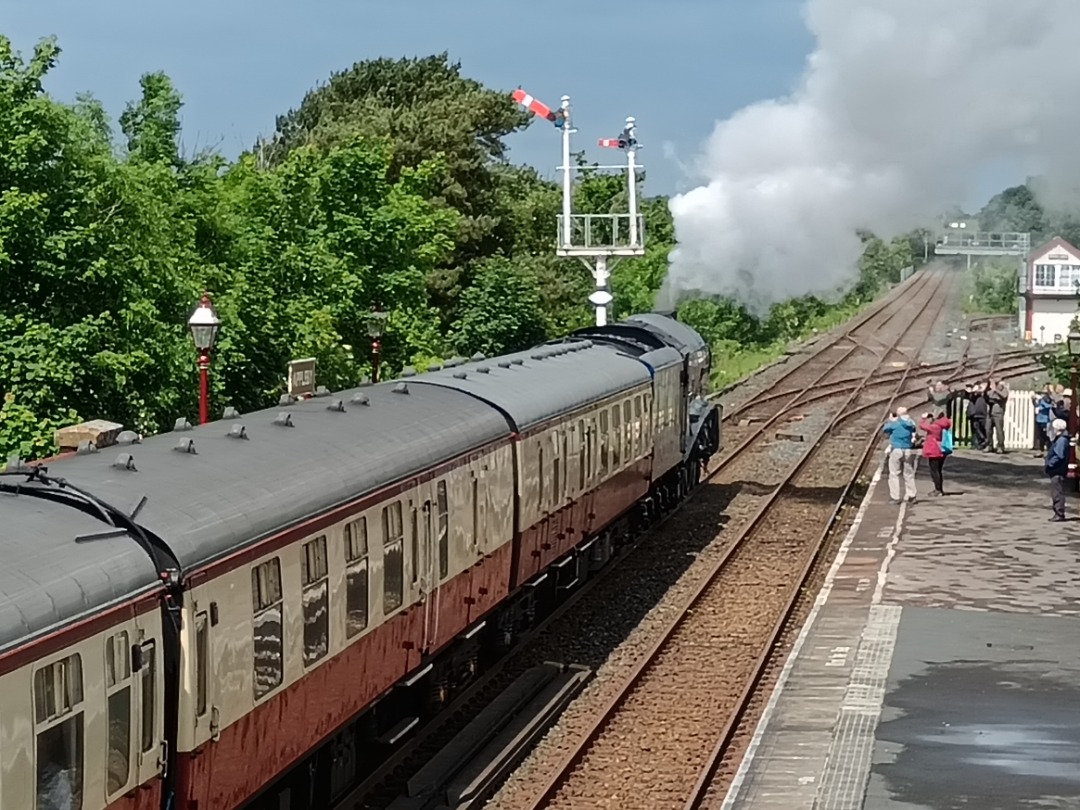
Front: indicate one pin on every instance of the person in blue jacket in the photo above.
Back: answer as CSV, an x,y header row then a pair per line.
x,y
901,432
1044,413
1057,466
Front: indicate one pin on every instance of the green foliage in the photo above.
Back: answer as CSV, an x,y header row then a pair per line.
x,y
1017,209
388,187
501,311
993,288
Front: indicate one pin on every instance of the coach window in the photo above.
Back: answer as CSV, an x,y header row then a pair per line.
x,y
58,715
540,480
268,659
316,600
581,455
616,437
629,450
605,441
556,471
639,425
118,706
475,511
393,557
147,693
443,506
414,540
356,577
202,662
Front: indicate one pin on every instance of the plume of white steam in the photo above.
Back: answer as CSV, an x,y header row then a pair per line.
x,y
901,106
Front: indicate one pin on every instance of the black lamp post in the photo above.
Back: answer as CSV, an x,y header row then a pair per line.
x,y
204,325
375,324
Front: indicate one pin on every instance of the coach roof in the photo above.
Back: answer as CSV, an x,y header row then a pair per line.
x,y
47,579
233,490
539,384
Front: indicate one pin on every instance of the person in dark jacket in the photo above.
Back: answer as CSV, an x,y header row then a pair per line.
x,y
997,397
977,412
1057,466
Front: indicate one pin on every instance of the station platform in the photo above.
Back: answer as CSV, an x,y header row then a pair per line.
x,y
940,667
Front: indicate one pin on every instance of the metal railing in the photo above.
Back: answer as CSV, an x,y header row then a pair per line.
x,y
601,232
961,240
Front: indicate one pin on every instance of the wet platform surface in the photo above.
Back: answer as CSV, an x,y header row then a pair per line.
x,y
941,667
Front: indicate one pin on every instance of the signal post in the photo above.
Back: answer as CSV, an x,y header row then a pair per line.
x,y
599,241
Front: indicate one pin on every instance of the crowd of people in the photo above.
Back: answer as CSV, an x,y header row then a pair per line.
x,y
931,436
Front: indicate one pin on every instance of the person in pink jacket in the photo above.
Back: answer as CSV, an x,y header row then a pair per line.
x,y
933,427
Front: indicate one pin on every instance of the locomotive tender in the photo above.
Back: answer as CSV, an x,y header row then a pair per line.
x,y
243,614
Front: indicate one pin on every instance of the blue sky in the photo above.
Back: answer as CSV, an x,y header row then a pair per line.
x,y
676,65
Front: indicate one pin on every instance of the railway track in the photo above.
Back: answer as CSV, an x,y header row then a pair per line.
x,y
380,789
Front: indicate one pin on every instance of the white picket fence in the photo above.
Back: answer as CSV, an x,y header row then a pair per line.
x,y
1019,421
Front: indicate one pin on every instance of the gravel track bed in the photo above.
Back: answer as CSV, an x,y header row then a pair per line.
x,y
651,752
655,580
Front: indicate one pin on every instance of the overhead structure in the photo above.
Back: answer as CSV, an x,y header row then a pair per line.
x,y
957,239
598,240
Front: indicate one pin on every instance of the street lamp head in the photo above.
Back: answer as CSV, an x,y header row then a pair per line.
x,y
376,322
204,325
1074,343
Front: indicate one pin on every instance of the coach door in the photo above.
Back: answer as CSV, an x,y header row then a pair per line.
x,y
424,556
149,681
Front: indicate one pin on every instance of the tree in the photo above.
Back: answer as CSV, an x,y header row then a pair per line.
x,y
500,311
152,125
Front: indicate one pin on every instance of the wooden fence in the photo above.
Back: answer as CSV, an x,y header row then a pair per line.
x,y
1019,421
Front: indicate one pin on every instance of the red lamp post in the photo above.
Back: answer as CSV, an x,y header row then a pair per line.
x,y
204,325
376,322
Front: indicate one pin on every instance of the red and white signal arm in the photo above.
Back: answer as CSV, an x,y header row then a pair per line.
x,y
534,106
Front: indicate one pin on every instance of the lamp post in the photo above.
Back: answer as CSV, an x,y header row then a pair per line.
x,y
376,322
1074,411
204,325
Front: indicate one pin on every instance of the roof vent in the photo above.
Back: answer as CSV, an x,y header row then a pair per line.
x,y
128,437
588,344
504,364
478,357
517,361
365,381
86,447
435,367
124,461
537,356
185,445
401,388
16,464
451,362
182,424
286,400
408,371
284,420
484,370
460,375
360,399
231,413
322,391
336,405
237,432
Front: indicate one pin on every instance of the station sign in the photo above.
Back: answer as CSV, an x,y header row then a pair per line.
x,y
301,378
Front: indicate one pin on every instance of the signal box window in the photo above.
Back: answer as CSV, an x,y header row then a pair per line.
x,y
356,577
269,662
393,558
316,600
58,716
